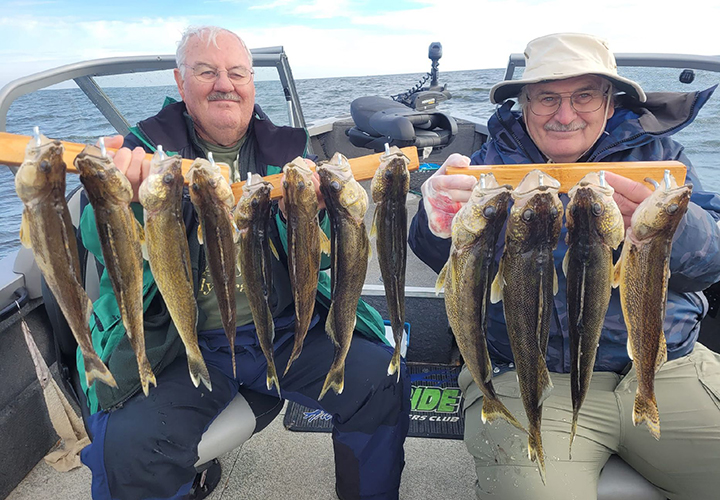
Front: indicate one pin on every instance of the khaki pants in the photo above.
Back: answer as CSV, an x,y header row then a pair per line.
x,y
684,463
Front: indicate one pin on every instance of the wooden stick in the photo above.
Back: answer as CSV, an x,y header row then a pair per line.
x,y
12,153
570,174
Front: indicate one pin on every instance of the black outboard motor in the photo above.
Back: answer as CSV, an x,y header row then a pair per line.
x,y
408,119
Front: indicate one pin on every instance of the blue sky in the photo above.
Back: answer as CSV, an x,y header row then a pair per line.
x,y
325,38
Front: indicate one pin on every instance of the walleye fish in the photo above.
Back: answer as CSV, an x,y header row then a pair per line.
x,y
47,229
305,243
467,278
594,229
110,194
642,273
169,255
213,200
252,217
389,188
526,282
346,202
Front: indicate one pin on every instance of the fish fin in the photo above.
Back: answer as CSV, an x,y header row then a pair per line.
x,y
140,232
394,366
373,226
492,409
324,243
25,231
545,385
95,369
496,290
200,234
235,232
556,285
629,349
573,431
440,283
662,353
198,368
274,250
646,411
297,350
335,379
272,378
147,376
535,453
565,262
617,271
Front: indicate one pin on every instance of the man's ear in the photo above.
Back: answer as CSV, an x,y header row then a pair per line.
x,y
179,82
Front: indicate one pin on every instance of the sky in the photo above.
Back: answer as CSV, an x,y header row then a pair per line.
x,y
328,38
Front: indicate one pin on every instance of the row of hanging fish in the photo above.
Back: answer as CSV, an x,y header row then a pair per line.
x,y
526,282
232,236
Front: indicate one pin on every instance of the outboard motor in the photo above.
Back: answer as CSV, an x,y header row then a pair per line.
x,y
408,119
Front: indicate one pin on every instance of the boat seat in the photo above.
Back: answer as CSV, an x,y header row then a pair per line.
x,y
619,481
379,120
249,412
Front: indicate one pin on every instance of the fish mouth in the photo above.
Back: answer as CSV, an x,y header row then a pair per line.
x,y
299,166
536,181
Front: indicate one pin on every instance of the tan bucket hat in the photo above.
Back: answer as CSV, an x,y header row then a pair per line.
x,y
566,55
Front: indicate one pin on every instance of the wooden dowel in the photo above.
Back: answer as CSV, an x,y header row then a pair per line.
x,y
12,153
570,174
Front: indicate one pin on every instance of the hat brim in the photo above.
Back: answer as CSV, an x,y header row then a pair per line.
x,y
508,89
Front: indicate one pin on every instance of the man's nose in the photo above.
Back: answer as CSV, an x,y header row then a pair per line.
x,y
223,83
565,113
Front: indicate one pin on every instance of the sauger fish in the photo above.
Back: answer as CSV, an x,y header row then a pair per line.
x,y
47,229
594,229
305,243
346,202
252,216
389,190
169,255
642,274
526,283
110,194
467,277
213,200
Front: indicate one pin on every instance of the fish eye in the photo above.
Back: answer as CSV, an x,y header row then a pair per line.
x,y
671,209
388,174
168,178
254,202
285,184
489,212
554,212
44,166
195,186
335,185
528,214
597,208
301,185
101,175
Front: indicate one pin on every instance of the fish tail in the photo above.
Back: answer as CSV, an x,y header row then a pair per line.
x,y
95,369
646,411
297,349
198,369
335,379
272,378
493,409
147,376
535,452
573,431
395,362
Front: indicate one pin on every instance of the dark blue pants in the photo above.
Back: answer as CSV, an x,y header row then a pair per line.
x,y
147,449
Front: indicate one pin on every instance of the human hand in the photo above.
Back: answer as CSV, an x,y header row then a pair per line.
x,y
131,163
316,185
628,195
444,195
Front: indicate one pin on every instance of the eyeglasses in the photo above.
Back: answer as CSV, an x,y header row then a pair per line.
x,y
208,74
582,101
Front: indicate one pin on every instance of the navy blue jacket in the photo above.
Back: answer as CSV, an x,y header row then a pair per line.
x,y
636,132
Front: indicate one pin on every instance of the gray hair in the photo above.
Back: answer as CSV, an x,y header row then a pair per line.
x,y
201,32
523,95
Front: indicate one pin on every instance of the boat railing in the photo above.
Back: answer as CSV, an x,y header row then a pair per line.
x,y
680,61
84,74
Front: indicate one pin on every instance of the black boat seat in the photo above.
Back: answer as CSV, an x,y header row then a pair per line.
x,y
379,120
235,424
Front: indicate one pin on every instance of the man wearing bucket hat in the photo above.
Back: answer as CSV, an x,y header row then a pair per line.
x,y
576,108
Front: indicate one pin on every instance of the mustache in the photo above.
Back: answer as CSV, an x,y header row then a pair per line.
x,y
570,127
223,96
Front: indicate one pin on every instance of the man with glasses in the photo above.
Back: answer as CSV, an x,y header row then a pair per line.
x,y
147,447
576,108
